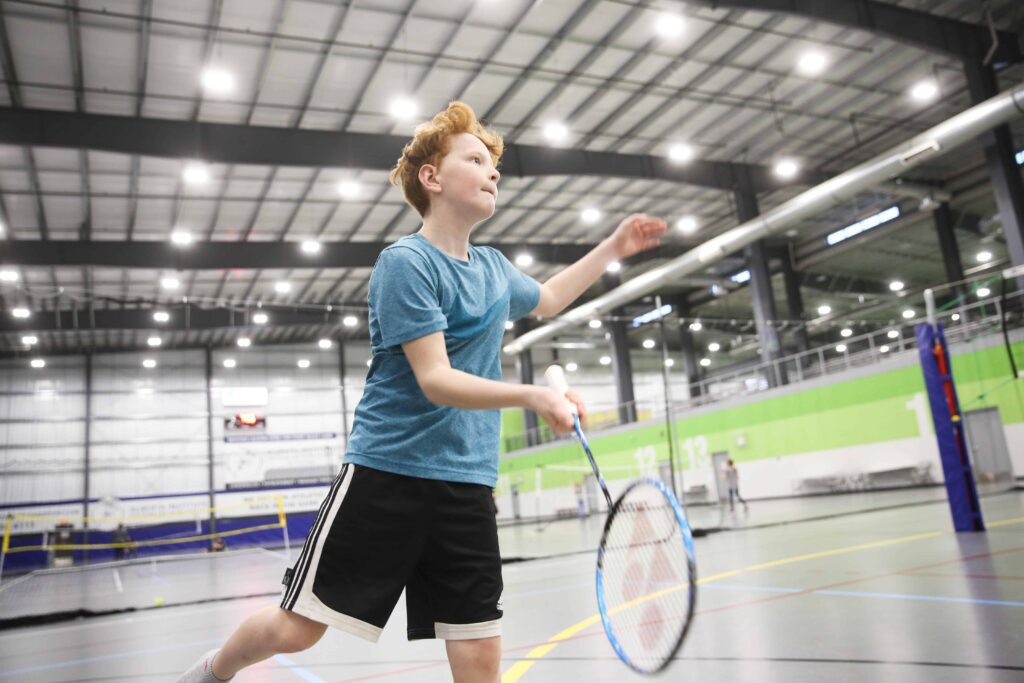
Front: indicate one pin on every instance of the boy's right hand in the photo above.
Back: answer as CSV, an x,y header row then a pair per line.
x,y
554,409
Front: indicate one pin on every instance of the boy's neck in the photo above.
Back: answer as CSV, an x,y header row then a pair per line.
x,y
447,233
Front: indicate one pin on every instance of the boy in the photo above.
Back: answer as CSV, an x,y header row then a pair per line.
x,y
412,507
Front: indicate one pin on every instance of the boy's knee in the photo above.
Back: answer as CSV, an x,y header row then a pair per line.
x,y
293,633
481,657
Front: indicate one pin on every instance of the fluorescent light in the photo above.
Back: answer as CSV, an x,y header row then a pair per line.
x,y
244,342
740,277
669,362
605,360
349,189
169,283
864,225
509,324
196,173
841,348
29,340
161,316
812,63
282,287
403,108
556,131
955,317
325,343
648,343
896,286
687,225
884,348
572,367
182,238
154,341
705,362
680,153
846,332
21,312
652,315
524,260
590,215
824,309
669,25
925,91
303,363
260,318
909,313
216,81
595,324
984,256
786,168
229,363
8,276
893,334
983,292
350,321
696,326
38,363
310,247
149,363
714,346
614,267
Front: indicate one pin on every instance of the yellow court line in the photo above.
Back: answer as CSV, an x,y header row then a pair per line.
x,y
516,671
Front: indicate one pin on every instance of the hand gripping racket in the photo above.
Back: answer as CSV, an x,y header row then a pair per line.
x,y
646,565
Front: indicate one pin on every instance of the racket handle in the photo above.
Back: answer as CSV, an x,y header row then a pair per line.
x,y
555,377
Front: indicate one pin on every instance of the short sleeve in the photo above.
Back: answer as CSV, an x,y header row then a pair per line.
x,y
524,291
405,297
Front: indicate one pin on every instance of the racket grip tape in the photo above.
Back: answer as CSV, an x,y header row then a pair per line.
x,y
555,377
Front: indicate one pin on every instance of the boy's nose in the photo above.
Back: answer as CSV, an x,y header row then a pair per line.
x,y
495,176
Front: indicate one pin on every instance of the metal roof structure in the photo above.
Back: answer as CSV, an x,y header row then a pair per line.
x,y
110,142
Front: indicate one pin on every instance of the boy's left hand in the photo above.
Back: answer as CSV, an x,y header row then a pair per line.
x,y
637,232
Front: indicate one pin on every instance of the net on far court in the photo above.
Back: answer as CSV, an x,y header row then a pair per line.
x,y
55,594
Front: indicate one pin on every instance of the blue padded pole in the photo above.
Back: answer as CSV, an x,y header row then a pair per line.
x,y
949,428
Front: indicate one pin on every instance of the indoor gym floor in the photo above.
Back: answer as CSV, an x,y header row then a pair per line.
x,y
889,594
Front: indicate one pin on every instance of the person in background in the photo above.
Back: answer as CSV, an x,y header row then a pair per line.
x,y
732,478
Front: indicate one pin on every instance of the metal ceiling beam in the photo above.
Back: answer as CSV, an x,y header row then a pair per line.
x,y
221,255
142,319
928,31
274,146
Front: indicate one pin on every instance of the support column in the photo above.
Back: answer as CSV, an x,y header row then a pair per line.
x,y
209,439
622,367
761,294
87,483
943,218
524,372
690,365
344,398
1003,171
795,304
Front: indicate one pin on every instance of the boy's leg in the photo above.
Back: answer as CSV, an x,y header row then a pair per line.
x,y
264,634
475,661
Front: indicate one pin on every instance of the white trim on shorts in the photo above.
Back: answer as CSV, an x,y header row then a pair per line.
x,y
485,629
306,603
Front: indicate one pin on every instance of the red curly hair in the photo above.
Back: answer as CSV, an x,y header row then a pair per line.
x,y
429,145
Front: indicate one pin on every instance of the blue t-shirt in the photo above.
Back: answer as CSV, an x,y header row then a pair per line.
x,y
416,290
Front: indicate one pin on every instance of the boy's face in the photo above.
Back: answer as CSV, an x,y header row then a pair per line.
x,y
468,179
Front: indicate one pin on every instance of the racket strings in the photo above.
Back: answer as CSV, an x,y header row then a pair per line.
x,y
647,578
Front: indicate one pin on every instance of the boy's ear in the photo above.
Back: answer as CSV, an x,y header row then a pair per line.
x,y
428,178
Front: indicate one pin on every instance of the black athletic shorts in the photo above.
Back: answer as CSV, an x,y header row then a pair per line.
x,y
378,533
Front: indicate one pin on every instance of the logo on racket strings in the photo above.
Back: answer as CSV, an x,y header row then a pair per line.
x,y
649,571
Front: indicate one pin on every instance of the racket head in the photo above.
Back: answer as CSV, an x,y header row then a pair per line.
x,y
646,576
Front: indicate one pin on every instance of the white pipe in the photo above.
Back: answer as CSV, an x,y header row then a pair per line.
x,y
943,138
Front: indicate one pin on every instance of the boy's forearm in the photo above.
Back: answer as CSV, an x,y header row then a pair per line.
x,y
450,387
570,283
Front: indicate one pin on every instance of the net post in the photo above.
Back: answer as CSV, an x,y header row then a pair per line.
x,y
5,545
283,521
